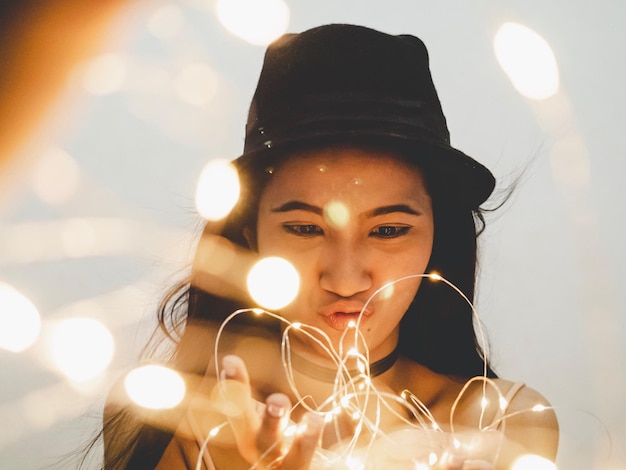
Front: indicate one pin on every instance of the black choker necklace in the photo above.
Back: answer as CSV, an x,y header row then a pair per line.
x,y
326,374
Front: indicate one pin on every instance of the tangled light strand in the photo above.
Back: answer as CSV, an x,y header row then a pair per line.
x,y
353,393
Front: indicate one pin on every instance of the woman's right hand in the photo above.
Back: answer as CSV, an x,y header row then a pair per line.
x,y
259,428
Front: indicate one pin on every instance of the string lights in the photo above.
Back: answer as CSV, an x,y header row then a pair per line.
x,y
355,394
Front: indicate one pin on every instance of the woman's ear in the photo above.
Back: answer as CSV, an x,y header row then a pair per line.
x,y
250,236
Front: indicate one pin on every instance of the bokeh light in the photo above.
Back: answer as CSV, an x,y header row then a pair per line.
x,y
82,348
218,189
528,61
336,214
166,21
78,238
155,387
55,178
20,322
258,22
273,283
104,74
533,462
196,84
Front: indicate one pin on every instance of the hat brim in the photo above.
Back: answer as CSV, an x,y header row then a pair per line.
x,y
467,180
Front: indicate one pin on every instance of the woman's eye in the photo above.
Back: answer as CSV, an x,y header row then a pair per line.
x,y
305,230
390,231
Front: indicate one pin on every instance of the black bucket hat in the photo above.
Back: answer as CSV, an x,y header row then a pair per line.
x,y
342,83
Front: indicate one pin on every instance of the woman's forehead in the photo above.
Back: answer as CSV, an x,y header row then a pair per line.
x,y
346,172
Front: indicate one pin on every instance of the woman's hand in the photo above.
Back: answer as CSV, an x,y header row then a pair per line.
x,y
259,428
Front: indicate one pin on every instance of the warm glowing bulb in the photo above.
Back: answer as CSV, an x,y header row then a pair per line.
x,y
435,276
484,403
20,321
503,403
273,282
213,432
55,177
296,325
166,21
352,463
290,430
533,462
258,22
538,408
196,84
82,348
218,189
351,324
336,214
104,74
155,387
528,61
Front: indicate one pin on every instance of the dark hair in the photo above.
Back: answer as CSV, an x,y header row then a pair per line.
x,y
437,330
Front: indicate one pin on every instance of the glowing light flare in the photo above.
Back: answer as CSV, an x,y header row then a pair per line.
x,y
20,322
104,74
155,387
569,159
336,214
218,189
81,348
273,282
196,84
528,61
290,431
78,238
538,408
533,462
503,403
352,463
387,291
56,177
258,22
229,397
166,21
434,276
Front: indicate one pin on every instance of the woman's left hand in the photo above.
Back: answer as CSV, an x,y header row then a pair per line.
x,y
259,428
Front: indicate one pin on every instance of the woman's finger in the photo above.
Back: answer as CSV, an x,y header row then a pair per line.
x,y
305,442
270,440
245,421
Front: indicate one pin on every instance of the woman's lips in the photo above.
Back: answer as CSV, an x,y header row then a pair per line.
x,y
341,320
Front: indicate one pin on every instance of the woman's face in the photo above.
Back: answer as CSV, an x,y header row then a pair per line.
x,y
350,220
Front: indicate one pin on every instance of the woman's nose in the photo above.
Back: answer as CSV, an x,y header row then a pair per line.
x,y
344,270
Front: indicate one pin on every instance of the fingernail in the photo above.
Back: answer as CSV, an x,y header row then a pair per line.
x,y
275,410
229,368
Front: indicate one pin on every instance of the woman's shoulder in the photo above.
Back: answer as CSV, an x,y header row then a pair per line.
x,y
527,419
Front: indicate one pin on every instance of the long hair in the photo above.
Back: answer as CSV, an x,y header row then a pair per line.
x,y
436,331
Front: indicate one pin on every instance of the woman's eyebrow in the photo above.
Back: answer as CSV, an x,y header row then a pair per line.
x,y
303,206
298,206
405,208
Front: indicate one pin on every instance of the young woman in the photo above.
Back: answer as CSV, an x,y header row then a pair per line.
x,y
348,174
